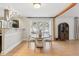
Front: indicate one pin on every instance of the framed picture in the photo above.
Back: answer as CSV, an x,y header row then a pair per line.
x,y
15,24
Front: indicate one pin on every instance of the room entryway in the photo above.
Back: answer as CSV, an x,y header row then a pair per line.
x,y
63,31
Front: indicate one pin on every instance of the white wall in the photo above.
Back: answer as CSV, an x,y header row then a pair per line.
x,y
70,21
11,38
25,25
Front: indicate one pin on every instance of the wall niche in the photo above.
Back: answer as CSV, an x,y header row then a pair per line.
x,y
15,24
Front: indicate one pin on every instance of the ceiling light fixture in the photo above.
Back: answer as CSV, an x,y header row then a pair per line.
x,y
36,5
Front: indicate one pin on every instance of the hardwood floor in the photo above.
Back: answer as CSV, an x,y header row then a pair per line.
x,y
59,48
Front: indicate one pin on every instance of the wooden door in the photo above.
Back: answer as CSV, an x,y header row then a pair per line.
x,y
63,31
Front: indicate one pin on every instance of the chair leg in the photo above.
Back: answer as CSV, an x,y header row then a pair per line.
x,y
28,44
51,44
35,47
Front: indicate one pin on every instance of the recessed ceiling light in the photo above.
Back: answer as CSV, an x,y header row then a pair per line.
x,y
36,5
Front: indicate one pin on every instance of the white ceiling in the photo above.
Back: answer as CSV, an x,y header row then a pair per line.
x,y
27,9
73,12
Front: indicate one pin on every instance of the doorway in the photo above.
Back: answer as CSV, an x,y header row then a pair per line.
x,y
63,31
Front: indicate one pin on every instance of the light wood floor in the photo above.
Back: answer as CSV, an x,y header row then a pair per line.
x,y
59,48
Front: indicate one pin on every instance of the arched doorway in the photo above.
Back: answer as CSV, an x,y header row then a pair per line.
x,y
63,31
